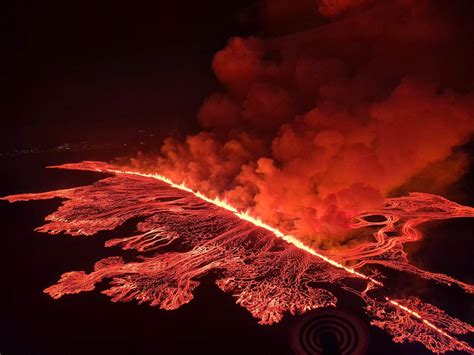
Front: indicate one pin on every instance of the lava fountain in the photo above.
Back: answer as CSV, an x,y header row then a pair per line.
x,y
182,235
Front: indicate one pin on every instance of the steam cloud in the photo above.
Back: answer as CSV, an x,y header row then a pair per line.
x,y
314,128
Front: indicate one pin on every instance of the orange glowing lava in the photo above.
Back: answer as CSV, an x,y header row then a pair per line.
x,y
183,234
247,217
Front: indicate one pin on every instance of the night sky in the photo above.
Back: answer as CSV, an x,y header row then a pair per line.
x,y
95,71
115,74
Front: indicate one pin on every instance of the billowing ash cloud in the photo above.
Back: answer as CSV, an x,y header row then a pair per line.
x,y
314,127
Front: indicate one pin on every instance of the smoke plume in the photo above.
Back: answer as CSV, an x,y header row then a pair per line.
x,y
313,127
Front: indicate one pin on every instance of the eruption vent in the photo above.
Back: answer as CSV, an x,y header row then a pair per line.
x,y
182,235
314,128
327,118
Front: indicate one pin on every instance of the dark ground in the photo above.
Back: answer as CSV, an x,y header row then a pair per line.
x,y
97,77
33,323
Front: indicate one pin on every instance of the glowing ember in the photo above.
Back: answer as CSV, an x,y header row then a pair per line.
x,y
268,276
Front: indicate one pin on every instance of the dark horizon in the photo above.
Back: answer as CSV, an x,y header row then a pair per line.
x,y
102,81
97,72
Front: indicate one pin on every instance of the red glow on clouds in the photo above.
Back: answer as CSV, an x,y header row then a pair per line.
x,y
309,136
313,127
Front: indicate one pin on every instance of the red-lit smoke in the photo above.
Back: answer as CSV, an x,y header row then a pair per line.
x,y
312,128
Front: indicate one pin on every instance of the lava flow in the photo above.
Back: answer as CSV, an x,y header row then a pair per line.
x,y
182,235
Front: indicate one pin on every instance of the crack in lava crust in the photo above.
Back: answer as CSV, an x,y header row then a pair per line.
x,y
268,276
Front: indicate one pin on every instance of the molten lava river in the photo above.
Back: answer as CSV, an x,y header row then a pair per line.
x,y
183,235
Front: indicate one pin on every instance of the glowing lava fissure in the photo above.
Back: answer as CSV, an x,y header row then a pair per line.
x,y
268,276
247,217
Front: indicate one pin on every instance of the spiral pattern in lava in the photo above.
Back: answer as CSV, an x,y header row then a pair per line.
x,y
328,331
